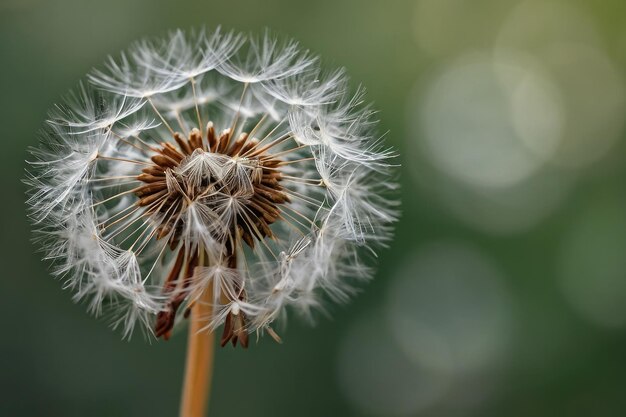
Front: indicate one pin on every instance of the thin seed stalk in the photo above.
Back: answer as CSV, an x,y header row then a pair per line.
x,y
200,352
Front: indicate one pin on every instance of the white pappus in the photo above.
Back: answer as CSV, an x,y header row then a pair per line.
x,y
211,168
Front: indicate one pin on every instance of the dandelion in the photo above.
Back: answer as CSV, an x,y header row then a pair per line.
x,y
213,177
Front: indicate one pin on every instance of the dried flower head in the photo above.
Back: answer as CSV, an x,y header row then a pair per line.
x,y
210,168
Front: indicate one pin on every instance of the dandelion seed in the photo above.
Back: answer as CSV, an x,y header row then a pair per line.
x,y
214,175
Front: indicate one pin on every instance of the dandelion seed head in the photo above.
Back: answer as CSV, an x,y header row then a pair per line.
x,y
211,167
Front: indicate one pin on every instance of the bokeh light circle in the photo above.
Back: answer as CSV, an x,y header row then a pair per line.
x,y
448,309
379,379
592,263
564,40
491,123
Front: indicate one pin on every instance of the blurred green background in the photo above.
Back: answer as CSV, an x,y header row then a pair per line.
x,y
504,292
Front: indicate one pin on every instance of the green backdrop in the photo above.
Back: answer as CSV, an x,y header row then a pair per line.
x,y
504,291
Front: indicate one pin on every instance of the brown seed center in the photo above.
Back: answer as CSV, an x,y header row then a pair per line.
x,y
240,168
207,171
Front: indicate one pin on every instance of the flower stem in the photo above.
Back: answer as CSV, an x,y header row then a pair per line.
x,y
199,366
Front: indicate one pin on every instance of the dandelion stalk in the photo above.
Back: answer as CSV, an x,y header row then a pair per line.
x,y
199,360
